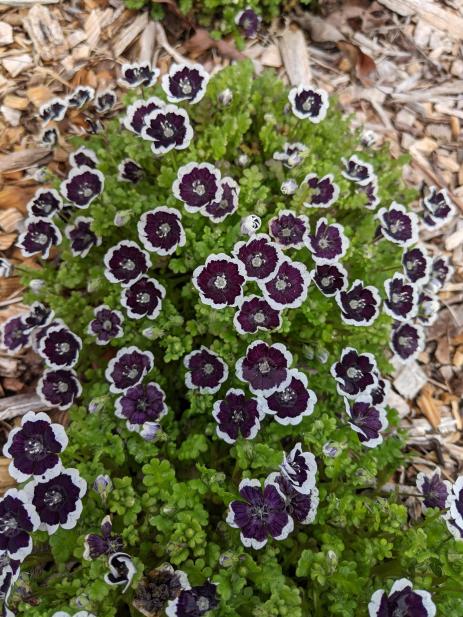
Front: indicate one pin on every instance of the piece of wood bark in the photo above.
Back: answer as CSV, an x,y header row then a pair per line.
x,y
45,33
130,33
295,55
23,159
20,404
147,43
431,12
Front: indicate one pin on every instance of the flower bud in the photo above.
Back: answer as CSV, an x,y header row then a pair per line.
x,y
289,187
250,225
97,404
228,559
242,160
322,356
368,138
93,284
36,285
329,449
225,97
122,217
103,486
150,431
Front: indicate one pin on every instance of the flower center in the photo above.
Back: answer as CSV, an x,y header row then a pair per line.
x,y
131,372
264,367
282,284
405,341
287,396
63,347
107,325
167,129
128,264
260,512
411,265
397,298
237,415
286,232
257,260
396,227
185,85
259,317
353,373
220,281
203,604
85,190
34,448
307,104
62,387
163,230
198,188
326,281
40,238
324,242
143,298
54,497
142,404
8,525
356,304
208,369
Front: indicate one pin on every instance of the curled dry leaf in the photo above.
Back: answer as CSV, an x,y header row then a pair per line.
x,y
202,41
361,63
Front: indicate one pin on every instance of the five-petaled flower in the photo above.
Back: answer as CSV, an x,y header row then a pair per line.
x,y
39,236
18,519
354,373
138,112
438,208
220,281
161,231
105,543
206,371
143,298
291,403
359,305
300,469
398,225
289,286
329,243
185,82
309,103
417,265
83,157
194,601
45,203
330,278
319,192
300,506
358,171
401,600
106,324
366,420
407,341
435,491
81,237
218,211
238,414
289,230
125,262
197,185
265,367
401,302
60,347
260,257
167,128
59,388
248,21
82,186
128,368
138,74
255,314
141,404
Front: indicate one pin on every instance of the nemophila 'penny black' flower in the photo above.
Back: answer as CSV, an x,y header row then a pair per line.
x,y
15,333
309,103
206,370
248,21
329,243
82,186
105,101
18,519
128,368
185,82
220,281
366,420
407,341
59,388
218,211
39,236
358,171
417,265
300,469
138,112
39,315
255,314
138,74
55,110
330,278
157,588
34,447
250,224
161,231
359,305
106,324
354,373
319,192
105,543
125,263
237,415
438,208
130,171
81,237
291,403
38,333
83,157
80,96
289,230
398,225
167,128
441,272
9,574
265,368
121,570
401,301
454,503
60,347
141,404
260,257
291,155
143,298
428,306
379,392
260,514
402,600
370,191
49,137
45,203
289,286
435,491
197,185
194,602
301,507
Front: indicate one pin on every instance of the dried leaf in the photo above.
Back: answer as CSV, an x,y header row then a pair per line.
x,y
202,41
360,62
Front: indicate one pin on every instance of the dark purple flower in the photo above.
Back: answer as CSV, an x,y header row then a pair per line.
x,y
9,574
438,208
45,203
218,211
291,154
49,137
355,373
289,287
125,263
157,588
59,388
248,21
194,602
359,305
407,341
80,96
83,157
81,237
262,513
328,244
82,186
367,421
106,324
197,185
39,315
309,103
300,469
330,278
55,109
143,298
398,225
38,333
379,393
265,367
39,236
129,171
370,191
434,490
161,231
18,519
428,308
220,281
121,570
104,544
60,347
105,101
301,507
401,302
185,82
34,447
291,403
417,265
138,74
15,333
255,314
138,112
260,256
319,192
237,415
454,504
289,230
402,601
141,404
128,368
358,171
206,370
441,272
167,128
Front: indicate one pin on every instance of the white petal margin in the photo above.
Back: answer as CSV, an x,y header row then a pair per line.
x,y
89,91
110,252
358,161
134,107
38,194
376,301
176,68
23,552
120,330
371,443
48,403
289,359
43,340
137,65
425,595
329,177
168,109
387,286
297,302
438,221
339,380
187,169
58,432
113,571
70,228
256,427
324,103
121,352
420,345
78,171
51,102
289,527
375,602
296,374
280,256
309,460
197,271
454,497
141,228
235,189
413,219
82,150
132,314
22,236
345,243
188,382
314,503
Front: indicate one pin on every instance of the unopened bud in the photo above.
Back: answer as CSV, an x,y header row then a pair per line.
x,y
225,97
289,187
250,224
